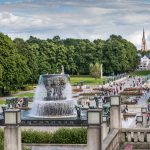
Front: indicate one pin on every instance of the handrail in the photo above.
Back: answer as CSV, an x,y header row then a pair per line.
x,y
112,140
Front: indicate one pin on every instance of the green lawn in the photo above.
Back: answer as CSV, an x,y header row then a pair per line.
x,y
24,95
140,73
87,80
2,102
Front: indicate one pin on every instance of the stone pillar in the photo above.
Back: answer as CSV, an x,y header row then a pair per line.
x,y
115,117
94,140
144,119
12,138
144,114
104,130
94,130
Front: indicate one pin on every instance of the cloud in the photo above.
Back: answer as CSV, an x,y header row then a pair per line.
x,y
77,19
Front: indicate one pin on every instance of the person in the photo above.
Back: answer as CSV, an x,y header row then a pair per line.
x,y
125,108
96,100
78,109
148,107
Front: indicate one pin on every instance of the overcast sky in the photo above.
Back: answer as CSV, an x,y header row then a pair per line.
x,y
89,19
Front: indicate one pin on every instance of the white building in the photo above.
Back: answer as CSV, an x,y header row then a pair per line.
x,y
144,63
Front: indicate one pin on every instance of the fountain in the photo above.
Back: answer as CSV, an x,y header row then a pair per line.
x,y
53,97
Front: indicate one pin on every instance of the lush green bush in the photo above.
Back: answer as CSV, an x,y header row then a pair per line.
x,y
61,136
31,136
140,73
70,136
1,139
28,88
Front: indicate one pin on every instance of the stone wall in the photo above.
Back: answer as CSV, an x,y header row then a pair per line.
x,y
56,146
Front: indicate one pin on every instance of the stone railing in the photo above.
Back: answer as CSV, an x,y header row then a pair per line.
x,y
112,141
138,137
76,122
47,122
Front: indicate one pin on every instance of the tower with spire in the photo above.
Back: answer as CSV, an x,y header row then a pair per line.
x,y
144,45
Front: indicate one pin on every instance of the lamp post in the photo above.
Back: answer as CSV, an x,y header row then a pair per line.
x,y
139,120
12,131
94,133
144,114
115,112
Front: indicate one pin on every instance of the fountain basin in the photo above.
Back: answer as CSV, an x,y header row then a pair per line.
x,y
53,109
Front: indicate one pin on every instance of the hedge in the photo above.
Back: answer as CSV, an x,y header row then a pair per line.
x,y
61,136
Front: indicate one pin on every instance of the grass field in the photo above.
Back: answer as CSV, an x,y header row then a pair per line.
x,y
2,102
87,80
140,73
24,95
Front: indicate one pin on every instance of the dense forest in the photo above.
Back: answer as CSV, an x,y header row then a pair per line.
x,y
21,62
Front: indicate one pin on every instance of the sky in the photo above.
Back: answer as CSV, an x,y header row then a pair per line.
x,y
85,19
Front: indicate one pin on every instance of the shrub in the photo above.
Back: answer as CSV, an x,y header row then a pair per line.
x,y
28,88
70,136
61,136
31,136
1,139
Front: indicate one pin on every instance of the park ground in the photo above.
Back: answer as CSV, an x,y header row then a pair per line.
x,y
74,80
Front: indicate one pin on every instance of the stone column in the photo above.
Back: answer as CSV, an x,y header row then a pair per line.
x,y
94,130
115,117
104,130
144,119
94,138
12,138
144,114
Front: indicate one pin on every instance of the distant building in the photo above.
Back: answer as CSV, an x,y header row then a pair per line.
x,y
144,45
145,63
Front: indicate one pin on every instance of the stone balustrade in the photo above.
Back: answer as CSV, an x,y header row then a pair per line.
x,y
112,141
135,135
138,137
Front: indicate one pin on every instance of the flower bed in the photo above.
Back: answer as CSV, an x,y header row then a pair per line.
x,y
133,89
77,90
101,89
89,93
131,93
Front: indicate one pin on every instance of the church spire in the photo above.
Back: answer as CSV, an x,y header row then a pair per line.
x,y
143,46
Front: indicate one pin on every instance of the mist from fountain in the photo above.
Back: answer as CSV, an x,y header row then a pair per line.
x,y
53,98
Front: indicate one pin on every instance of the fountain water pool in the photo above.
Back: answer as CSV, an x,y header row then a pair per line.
x,y
53,98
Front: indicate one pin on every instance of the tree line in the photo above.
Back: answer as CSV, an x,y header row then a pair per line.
x,y
22,61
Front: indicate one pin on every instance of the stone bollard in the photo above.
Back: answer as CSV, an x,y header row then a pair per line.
x,y
115,112
12,131
94,131
104,127
144,114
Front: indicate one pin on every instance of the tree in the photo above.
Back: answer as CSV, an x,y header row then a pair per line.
x,y
14,70
70,66
95,70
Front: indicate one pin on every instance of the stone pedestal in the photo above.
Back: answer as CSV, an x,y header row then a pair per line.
x,y
104,130
12,138
144,119
115,117
94,138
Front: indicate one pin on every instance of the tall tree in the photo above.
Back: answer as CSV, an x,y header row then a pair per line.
x,y
15,71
